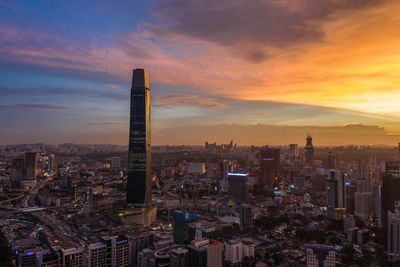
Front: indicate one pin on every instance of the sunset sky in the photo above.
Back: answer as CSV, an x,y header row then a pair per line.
x,y
314,65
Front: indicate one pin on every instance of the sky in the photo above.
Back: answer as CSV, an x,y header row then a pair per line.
x,y
264,72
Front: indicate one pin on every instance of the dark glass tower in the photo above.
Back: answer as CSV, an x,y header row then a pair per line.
x,y
269,167
309,151
138,193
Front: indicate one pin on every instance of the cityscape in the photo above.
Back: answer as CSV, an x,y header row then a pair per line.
x,y
153,169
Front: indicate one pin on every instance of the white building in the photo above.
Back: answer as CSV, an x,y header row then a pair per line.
x,y
233,251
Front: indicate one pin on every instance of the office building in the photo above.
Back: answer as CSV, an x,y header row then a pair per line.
x,y
72,257
394,234
205,252
377,203
309,151
363,205
144,257
117,248
97,254
179,257
246,218
115,162
31,167
390,189
350,198
181,226
50,258
233,250
269,167
330,162
294,151
320,255
28,257
238,190
226,167
298,184
348,222
139,159
331,193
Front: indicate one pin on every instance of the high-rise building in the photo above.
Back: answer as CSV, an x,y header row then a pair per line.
x,y
330,161
341,188
377,191
72,257
294,150
138,242
269,167
181,226
31,167
390,189
115,162
309,151
238,190
205,252
18,171
363,205
51,164
331,193
350,198
178,257
139,159
320,255
394,234
246,218
144,257
97,254
233,250
226,167
117,248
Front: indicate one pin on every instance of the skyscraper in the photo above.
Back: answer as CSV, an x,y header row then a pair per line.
x,y
269,166
138,192
309,151
31,165
393,234
238,190
390,189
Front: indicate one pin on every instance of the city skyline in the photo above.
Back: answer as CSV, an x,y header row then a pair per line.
x,y
67,81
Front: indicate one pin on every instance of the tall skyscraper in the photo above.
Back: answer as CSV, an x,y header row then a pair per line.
x,y
246,217
293,151
31,168
139,159
394,234
309,151
390,189
269,166
238,190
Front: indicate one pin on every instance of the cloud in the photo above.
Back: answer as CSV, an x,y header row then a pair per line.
x,y
34,106
175,100
252,30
